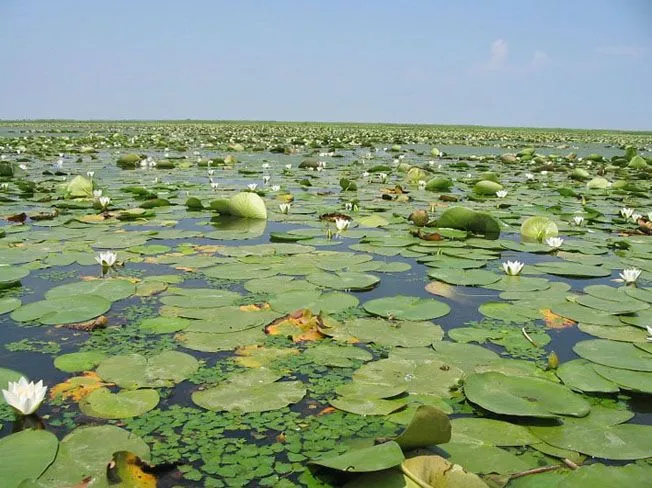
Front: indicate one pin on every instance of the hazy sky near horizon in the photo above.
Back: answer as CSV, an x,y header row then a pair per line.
x,y
544,63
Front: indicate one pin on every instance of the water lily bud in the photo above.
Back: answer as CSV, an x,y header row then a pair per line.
x,y
419,218
553,360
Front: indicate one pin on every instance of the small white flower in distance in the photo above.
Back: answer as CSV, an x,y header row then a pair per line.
x,y
554,242
630,275
342,224
513,268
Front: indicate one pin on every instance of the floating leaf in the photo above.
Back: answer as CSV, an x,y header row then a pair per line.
x,y
25,455
375,458
523,396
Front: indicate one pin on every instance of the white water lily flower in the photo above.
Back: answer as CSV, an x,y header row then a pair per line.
x,y
348,206
211,172
265,165
275,187
544,172
578,219
4,186
214,185
422,184
106,258
626,212
383,177
630,275
501,193
23,396
288,166
554,242
97,193
285,207
513,268
342,224
266,179
649,331
90,174
23,166
252,186
529,176
104,201
636,216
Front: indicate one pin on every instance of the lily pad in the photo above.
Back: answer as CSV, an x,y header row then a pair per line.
x,y
523,396
614,354
136,371
407,308
124,404
375,458
257,392
26,455
63,310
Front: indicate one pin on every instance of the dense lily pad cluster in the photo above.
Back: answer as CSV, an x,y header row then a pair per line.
x,y
319,298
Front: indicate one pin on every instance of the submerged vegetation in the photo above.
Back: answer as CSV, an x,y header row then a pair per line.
x,y
269,304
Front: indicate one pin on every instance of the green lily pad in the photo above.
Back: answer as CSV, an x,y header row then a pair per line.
x,y
407,308
628,380
111,289
63,310
257,391
485,459
470,277
199,298
11,274
360,405
579,374
573,270
375,458
136,371
124,404
615,354
538,228
9,304
523,396
78,361
26,455
400,333
81,455
428,427
490,432
344,280
600,435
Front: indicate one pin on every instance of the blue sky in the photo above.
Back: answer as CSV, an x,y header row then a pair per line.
x,y
543,63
